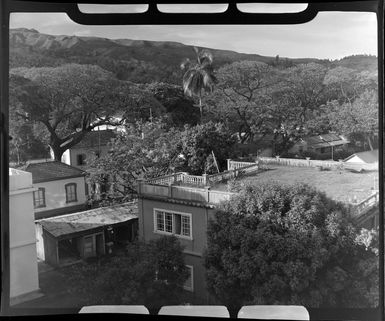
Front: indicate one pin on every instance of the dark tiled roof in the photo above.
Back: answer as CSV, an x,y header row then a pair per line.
x,y
95,139
370,156
51,171
91,219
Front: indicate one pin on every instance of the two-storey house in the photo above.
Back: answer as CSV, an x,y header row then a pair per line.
x,y
93,144
182,205
60,188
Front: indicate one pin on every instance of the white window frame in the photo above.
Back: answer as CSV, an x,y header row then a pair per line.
x,y
187,288
156,210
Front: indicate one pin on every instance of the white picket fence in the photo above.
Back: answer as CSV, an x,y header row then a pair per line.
x,y
316,163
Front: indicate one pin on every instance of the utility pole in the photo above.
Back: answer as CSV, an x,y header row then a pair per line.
x,y
328,144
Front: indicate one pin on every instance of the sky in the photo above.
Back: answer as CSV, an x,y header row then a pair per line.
x,y
330,35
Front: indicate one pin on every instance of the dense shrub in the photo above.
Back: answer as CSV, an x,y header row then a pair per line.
x,y
273,244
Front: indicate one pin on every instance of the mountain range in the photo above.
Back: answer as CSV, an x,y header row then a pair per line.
x,y
139,61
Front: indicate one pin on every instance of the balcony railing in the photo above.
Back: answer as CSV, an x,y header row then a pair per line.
x,y
194,188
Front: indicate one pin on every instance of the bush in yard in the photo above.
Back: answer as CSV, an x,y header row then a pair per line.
x,y
273,244
151,274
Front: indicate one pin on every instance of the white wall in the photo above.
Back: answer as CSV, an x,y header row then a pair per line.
x,y
55,193
355,159
23,258
89,152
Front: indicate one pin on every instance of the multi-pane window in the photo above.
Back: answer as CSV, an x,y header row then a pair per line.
x,y
71,193
189,283
175,223
39,198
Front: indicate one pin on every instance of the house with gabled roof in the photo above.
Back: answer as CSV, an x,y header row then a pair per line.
x,y
61,188
93,144
321,144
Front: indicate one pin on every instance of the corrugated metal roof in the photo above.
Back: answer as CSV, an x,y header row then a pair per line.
x,y
52,170
91,219
325,140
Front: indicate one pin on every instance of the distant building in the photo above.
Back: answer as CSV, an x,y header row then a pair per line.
x,y
368,157
60,188
72,237
321,144
23,263
94,144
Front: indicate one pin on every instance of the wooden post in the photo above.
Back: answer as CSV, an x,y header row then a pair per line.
x,y
170,190
175,178
228,164
139,187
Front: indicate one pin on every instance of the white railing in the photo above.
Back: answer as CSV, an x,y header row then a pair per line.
x,y
231,165
182,177
188,193
166,179
366,204
194,180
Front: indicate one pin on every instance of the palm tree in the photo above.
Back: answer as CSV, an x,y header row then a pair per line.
x,y
199,75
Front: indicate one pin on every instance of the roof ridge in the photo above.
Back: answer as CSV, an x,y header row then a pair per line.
x,y
92,209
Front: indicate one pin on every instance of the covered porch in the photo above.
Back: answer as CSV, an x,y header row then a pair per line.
x,y
66,239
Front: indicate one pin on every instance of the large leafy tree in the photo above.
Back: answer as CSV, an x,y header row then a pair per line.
x,y
242,96
199,75
273,244
68,101
179,109
357,119
150,274
143,150
199,143
24,143
346,85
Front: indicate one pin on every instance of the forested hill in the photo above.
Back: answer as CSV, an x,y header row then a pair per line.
x,y
139,61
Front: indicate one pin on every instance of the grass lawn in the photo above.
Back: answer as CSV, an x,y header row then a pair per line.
x,y
339,185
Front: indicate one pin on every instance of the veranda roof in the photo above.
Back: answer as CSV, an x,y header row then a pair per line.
x,y
88,220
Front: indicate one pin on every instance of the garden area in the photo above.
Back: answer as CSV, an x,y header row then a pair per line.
x,y
339,185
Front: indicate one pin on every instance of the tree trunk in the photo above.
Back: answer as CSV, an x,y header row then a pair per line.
x,y
57,152
370,143
200,106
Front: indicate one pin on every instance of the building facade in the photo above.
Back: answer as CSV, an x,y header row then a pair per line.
x,y
94,144
182,205
60,188
24,281
320,144
69,238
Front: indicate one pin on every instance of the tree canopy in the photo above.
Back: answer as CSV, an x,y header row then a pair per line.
x,y
68,101
143,150
198,143
273,244
151,274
